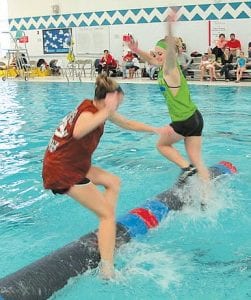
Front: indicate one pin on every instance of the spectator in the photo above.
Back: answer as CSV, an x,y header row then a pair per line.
x,y
107,63
241,66
208,64
249,50
135,66
152,69
42,64
227,64
184,60
218,50
127,62
234,45
55,69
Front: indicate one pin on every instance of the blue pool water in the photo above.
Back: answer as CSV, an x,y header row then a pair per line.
x,y
191,255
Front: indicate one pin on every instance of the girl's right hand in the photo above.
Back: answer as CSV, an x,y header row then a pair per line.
x,y
112,101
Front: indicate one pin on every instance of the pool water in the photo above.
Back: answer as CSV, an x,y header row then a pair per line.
x,y
191,255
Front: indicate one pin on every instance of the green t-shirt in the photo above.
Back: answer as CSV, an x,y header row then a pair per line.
x,y
181,106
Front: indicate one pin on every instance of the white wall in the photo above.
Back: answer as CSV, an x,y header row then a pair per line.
x,y
22,8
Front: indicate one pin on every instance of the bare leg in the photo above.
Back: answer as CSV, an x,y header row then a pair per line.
x,y
193,149
165,147
103,205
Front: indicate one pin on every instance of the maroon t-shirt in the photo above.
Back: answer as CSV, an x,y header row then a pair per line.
x,y
67,160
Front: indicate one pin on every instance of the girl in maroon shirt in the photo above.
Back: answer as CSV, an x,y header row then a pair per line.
x,y
67,166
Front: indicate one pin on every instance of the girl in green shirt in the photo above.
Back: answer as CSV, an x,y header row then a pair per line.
x,y
186,120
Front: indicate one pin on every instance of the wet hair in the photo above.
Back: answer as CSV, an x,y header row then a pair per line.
x,y
104,85
222,34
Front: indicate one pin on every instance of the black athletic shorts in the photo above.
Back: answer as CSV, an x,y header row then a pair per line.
x,y
190,127
63,191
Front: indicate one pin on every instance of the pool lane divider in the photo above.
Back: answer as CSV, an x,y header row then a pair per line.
x,y
42,278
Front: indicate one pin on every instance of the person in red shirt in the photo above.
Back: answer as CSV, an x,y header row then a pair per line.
x,y
234,45
67,164
127,62
107,63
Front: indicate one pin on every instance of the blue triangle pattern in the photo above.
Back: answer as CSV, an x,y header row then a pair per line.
x,y
219,6
13,28
32,27
17,20
142,20
106,22
248,4
148,10
235,5
72,24
212,17
41,26
243,15
99,13
135,11
51,26
56,17
155,20
82,24
190,7
117,22
35,18
77,15
204,7
197,18
27,19
66,16
61,25
183,18
45,18
23,27
129,21
94,23
227,16
123,12
111,12
161,9
88,15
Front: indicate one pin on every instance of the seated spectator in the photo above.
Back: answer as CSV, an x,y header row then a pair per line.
x,y
241,66
135,65
107,63
55,69
208,64
42,64
184,60
249,50
218,50
127,62
234,45
227,64
152,70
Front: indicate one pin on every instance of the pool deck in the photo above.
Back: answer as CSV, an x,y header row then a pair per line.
x,y
134,80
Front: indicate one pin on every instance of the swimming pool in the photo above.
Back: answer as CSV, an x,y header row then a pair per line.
x,y
191,255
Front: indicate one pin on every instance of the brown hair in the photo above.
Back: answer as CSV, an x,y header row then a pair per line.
x,y
104,85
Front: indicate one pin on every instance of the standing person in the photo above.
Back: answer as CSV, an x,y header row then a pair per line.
x,y
127,62
67,165
241,66
187,121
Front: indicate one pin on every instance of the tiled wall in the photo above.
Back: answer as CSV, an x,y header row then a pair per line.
x,y
216,11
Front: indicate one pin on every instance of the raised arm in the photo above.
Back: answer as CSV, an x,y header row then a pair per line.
x,y
133,45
